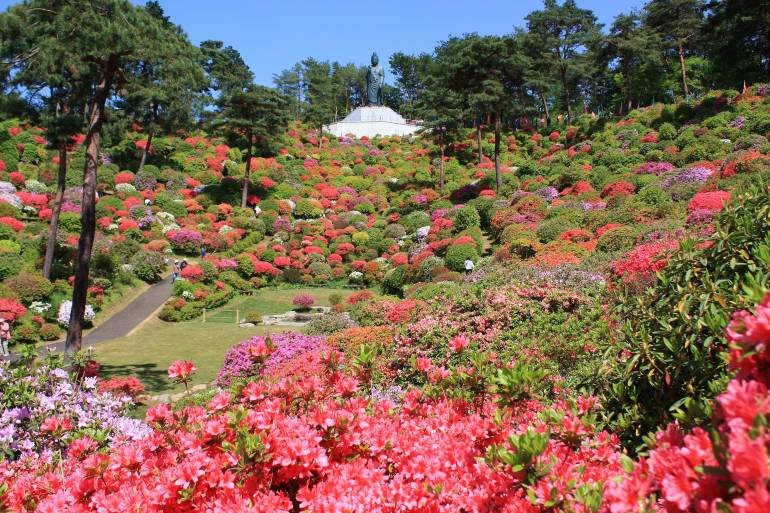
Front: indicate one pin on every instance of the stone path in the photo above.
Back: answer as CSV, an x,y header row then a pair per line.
x,y
126,320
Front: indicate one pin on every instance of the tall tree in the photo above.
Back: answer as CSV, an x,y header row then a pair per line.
x,y
289,82
164,86
320,94
259,114
225,67
560,34
678,24
38,69
738,36
410,73
627,46
485,70
441,111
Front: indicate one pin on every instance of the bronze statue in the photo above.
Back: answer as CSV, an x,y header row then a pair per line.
x,y
375,79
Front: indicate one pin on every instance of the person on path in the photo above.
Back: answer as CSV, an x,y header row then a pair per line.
x,y
5,336
203,251
469,266
175,271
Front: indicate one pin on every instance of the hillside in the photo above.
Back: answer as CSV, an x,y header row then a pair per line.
x,y
607,268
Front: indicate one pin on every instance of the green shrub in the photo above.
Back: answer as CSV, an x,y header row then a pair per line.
x,y
550,229
26,333
10,246
415,220
674,331
30,287
457,255
667,132
70,222
307,208
10,265
617,239
466,217
393,281
49,332
148,266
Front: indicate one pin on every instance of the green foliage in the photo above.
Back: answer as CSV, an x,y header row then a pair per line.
x,y
393,281
70,222
148,266
673,339
457,255
10,265
30,287
466,217
616,239
550,229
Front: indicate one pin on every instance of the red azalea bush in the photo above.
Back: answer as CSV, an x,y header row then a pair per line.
x,y
711,200
192,273
13,224
643,260
619,188
129,386
10,309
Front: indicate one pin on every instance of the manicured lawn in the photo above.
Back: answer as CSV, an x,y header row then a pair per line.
x,y
148,352
271,301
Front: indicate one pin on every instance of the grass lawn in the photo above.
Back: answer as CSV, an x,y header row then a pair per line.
x,y
271,301
148,352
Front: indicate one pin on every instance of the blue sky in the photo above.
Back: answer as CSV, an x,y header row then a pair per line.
x,y
272,34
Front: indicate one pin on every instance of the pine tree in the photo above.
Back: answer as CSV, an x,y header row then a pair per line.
x,y
678,25
259,115
557,37
164,86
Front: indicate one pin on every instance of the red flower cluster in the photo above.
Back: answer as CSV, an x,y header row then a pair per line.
x,y
712,200
643,260
121,386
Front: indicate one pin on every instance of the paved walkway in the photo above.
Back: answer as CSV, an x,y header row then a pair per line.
x,y
123,322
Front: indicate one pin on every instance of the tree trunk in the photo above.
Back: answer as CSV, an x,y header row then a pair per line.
x,y
545,107
150,133
498,176
246,175
60,186
88,205
629,93
441,176
684,72
478,138
566,94
146,148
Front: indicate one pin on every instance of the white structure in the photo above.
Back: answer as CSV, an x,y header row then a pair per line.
x,y
372,121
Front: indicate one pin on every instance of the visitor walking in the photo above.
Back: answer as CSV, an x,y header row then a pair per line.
x,y
203,251
469,266
5,336
175,271
182,265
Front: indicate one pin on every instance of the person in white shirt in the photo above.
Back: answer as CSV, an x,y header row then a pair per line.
x,y
469,266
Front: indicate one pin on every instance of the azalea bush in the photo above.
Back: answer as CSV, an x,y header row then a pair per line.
x,y
47,410
670,360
